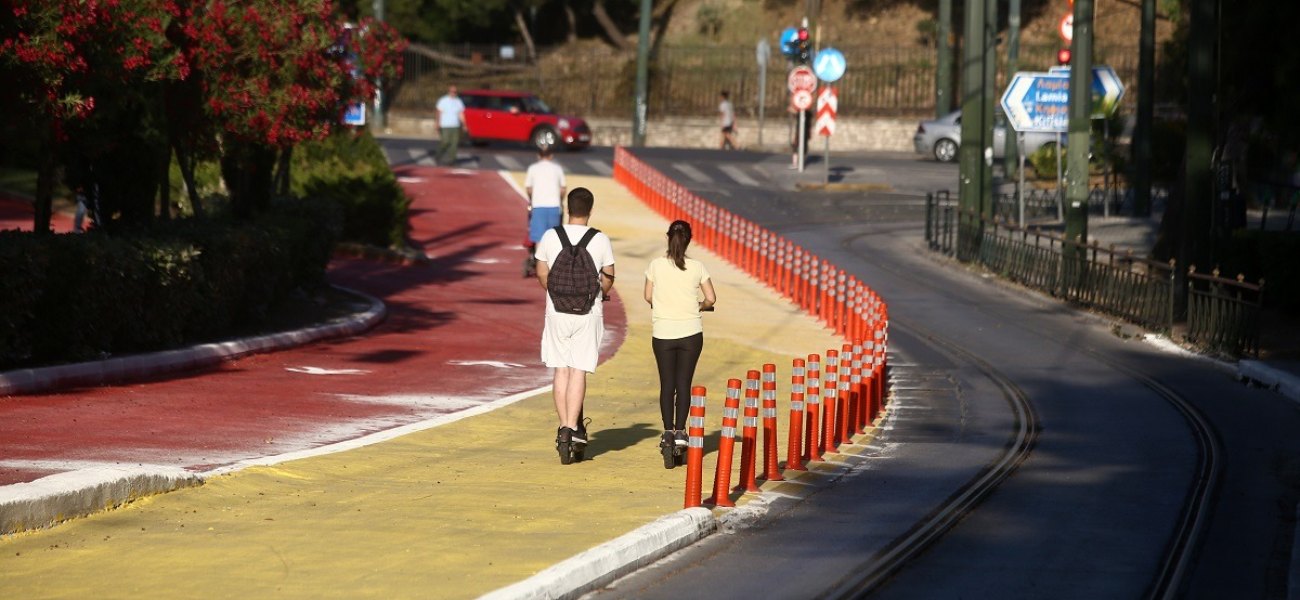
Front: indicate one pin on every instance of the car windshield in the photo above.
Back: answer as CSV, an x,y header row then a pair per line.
x,y
534,105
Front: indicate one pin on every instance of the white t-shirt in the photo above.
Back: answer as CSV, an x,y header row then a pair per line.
x,y
449,109
727,112
675,310
546,179
600,249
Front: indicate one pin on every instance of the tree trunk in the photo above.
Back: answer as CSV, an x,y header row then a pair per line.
x,y
187,173
44,202
573,22
247,169
611,29
663,17
165,185
283,171
528,35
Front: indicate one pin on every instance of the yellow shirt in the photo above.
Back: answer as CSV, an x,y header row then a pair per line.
x,y
676,297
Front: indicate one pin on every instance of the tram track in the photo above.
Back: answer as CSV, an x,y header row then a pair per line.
x,y
1181,548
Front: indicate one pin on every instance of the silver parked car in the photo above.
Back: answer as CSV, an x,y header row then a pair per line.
x,y
941,138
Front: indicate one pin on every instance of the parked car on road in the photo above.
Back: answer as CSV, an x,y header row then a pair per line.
x,y
504,115
941,138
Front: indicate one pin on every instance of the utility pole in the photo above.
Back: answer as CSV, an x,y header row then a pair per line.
x,y
1080,128
943,68
1011,155
642,75
1197,243
970,184
987,101
1146,103
381,118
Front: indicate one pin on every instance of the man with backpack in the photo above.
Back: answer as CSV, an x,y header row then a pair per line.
x,y
575,265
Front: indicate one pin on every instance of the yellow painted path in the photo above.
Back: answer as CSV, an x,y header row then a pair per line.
x,y
450,512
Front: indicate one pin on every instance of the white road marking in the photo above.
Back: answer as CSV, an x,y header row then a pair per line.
x,y
484,261
692,172
735,173
509,162
601,167
410,180
420,157
323,371
487,363
444,403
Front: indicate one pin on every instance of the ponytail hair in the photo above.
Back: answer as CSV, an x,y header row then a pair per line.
x,y
679,237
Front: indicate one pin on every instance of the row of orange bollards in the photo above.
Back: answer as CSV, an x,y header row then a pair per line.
x,y
829,402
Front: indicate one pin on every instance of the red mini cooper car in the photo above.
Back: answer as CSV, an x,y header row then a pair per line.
x,y
504,115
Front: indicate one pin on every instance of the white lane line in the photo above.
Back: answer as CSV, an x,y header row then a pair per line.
x,y
509,162
487,363
308,370
421,157
692,172
600,167
734,172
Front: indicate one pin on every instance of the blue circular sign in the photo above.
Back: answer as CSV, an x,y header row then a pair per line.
x,y
829,64
789,40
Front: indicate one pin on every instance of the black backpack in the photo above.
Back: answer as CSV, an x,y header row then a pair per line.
x,y
573,282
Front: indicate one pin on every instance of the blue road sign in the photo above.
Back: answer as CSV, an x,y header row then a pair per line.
x,y
355,115
1038,102
829,65
789,41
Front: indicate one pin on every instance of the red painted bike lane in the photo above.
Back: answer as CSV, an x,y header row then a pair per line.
x,y
460,331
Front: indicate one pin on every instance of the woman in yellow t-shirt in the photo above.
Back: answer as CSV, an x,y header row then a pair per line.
x,y
677,288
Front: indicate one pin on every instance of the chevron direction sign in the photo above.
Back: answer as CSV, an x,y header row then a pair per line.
x,y
827,104
1041,101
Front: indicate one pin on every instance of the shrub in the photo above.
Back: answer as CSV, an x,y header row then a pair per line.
x,y
350,169
1270,255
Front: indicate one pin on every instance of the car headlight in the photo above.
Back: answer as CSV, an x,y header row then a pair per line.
x,y
564,123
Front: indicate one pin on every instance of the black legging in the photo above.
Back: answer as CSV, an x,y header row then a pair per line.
x,y
676,360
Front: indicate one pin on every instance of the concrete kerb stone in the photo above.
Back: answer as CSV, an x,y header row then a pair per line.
x,y
607,562
1280,381
62,496
28,381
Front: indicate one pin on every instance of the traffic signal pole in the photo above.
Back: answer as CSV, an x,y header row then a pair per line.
x,y
970,183
1080,128
642,76
943,69
1146,103
1011,155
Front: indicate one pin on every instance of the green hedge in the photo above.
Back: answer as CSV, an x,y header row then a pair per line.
x,y
349,168
79,297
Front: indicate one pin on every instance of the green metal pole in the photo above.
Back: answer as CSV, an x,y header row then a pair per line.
x,y
1080,129
1146,109
943,66
987,100
970,154
1197,185
642,75
1011,156
380,116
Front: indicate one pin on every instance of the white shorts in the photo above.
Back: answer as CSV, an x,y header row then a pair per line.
x,y
572,340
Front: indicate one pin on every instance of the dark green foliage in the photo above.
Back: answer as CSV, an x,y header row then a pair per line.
x,y
78,297
350,169
1270,255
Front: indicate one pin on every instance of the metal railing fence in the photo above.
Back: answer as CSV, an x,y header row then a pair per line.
x,y
882,79
1223,315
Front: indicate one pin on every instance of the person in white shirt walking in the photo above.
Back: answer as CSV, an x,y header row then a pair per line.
x,y
544,183
451,119
727,115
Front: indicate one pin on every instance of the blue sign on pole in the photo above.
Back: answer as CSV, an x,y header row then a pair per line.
x,y
829,65
789,41
1038,102
355,115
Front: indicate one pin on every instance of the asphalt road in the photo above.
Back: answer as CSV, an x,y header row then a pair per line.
x,y
1121,495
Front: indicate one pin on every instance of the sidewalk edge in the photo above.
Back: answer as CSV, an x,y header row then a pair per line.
x,y
593,568
1275,379
62,496
115,370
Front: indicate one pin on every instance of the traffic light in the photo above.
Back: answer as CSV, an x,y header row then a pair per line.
x,y
1063,57
804,51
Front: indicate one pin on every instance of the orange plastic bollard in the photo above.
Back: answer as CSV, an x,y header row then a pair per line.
x,y
830,391
843,398
812,450
695,447
794,440
771,471
857,395
749,436
726,447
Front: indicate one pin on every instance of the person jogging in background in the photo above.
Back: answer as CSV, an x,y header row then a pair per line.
x,y
544,184
674,285
571,342
451,121
727,116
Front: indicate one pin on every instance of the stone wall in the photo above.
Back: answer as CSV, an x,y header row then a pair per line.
x,y
850,134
